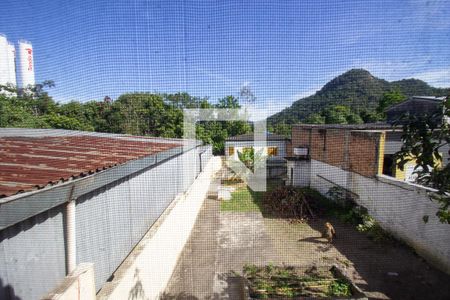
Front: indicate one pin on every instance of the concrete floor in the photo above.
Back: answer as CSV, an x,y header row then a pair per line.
x,y
220,244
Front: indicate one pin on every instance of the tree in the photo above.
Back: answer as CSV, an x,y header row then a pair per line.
x,y
281,129
340,114
64,122
423,137
370,116
14,113
389,98
249,157
228,102
141,113
315,119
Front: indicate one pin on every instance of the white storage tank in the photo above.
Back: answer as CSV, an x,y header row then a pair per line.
x,y
4,62
25,64
12,63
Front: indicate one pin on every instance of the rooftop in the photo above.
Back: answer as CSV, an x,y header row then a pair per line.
x,y
432,98
33,159
250,137
366,126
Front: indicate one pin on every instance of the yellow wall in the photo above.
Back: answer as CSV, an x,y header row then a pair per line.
x,y
401,174
381,145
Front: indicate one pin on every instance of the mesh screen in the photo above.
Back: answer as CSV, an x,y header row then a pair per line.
x,y
224,149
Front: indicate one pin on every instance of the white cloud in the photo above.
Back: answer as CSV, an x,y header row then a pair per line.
x,y
436,78
431,13
264,109
390,69
305,93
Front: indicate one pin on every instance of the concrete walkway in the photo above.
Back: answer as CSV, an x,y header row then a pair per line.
x,y
220,245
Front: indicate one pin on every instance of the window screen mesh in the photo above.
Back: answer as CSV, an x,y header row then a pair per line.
x,y
339,108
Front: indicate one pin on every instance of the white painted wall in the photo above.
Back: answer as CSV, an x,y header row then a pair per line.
x,y
77,285
146,271
397,205
239,146
300,174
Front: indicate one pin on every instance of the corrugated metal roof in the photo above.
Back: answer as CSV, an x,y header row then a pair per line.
x,y
28,163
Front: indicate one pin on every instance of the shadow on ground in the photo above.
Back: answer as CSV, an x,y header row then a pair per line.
x,y
378,263
233,290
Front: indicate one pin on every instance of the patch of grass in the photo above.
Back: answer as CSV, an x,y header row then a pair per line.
x,y
243,199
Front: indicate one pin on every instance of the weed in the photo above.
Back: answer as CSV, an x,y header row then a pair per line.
x,y
373,229
339,288
287,282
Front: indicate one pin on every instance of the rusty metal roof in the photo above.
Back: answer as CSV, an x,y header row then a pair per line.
x,y
33,162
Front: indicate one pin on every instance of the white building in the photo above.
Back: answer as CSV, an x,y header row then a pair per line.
x,y
25,64
4,60
16,66
276,149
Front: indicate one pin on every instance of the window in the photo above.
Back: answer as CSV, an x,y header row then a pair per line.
x,y
388,165
230,151
272,151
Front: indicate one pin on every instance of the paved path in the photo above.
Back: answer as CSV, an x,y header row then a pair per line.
x,y
220,244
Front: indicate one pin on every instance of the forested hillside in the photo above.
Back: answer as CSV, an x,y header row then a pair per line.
x,y
352,97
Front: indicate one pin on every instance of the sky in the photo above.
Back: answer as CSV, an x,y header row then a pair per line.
x,y
282,50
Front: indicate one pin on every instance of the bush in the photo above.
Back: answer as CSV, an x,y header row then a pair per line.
x,y
343,207
372,229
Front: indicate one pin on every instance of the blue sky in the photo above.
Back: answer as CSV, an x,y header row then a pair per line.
x,y
283,49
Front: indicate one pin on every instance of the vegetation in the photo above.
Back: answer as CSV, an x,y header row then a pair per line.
x,y
423,137
289,282
243,199
335,114
340,204
351,98
249,157
150,114
389,99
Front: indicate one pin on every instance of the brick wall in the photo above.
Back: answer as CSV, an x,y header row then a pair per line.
x,y
289,148
363,153
356,151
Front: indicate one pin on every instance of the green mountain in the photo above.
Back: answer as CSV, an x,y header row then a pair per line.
x,y
357,89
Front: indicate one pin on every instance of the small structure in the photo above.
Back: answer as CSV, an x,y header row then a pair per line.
x,y
416,105
277,147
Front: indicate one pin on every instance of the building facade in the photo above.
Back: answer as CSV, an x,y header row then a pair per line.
x,y
276,149
358,159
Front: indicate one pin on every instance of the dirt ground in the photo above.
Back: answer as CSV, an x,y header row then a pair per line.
x,y
369,263
223,242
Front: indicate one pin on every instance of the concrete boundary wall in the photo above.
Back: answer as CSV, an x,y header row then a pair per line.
x,y
398,206
78,285
146,271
